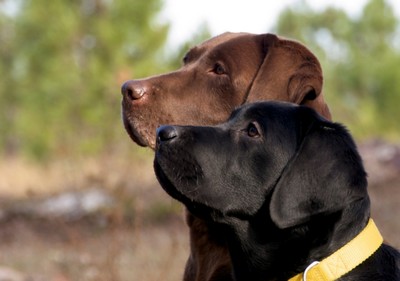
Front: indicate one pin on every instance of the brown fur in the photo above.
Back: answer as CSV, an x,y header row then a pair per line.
x,y
217,76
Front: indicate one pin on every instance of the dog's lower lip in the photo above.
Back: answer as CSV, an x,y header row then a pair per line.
x,y
137,139
167,186
133,134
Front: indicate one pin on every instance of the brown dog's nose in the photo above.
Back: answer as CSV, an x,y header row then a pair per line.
x,y
133,89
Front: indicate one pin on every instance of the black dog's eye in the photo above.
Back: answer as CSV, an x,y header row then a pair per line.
x,y
219,69
252,131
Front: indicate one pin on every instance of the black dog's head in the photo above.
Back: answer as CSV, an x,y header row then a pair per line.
x,y
275,152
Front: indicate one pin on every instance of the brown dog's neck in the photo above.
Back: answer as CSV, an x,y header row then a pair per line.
x,y
209,259
261,251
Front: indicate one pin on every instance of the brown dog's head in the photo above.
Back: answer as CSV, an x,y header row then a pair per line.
x,y
219,75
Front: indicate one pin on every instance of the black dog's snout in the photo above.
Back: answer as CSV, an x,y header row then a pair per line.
x,y
166,133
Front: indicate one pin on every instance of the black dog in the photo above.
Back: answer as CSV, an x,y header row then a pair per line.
x,y
284,185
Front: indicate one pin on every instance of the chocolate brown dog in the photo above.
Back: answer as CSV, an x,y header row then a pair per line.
x,y
284,187
217,76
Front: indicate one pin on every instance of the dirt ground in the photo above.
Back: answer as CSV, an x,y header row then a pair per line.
x,y
142,237
59,251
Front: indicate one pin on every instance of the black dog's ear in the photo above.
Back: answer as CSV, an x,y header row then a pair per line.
x,y
325,174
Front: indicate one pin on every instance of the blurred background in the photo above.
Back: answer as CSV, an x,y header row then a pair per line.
x,y
78,200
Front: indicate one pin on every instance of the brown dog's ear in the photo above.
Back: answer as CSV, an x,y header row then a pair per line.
x,y
323,177
289,72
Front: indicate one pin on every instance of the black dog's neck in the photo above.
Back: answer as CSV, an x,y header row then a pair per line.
x,y
261,251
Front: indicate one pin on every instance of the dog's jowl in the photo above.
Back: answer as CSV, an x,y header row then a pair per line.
x,y
285,187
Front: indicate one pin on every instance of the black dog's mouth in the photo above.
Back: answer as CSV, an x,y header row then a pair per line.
x,y
180,175
199,209
166,183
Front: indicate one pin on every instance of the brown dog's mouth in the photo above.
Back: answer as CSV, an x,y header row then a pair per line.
x,y
134,135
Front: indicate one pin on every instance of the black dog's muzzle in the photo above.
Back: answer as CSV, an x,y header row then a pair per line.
x,y
166,134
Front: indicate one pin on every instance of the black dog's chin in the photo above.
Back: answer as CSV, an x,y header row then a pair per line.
x,y
196,208
166,183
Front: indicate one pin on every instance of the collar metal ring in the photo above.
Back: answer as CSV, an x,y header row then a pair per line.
x,y
314,263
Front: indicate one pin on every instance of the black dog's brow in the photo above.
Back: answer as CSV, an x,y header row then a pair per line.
x,y
234,113
238,117
247,110
261,110
250,112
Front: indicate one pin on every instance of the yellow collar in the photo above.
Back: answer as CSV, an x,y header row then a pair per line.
x,y
346,258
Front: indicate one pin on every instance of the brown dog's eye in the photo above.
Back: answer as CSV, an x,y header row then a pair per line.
x,y
185,59
219,69
252,131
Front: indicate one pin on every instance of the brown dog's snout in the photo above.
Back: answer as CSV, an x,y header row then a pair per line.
x,y
166,133
134,89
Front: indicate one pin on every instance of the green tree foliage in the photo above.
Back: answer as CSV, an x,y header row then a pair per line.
x,y
62,63
361,61
176,56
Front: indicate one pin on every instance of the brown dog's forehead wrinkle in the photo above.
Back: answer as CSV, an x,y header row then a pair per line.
x,y
192,54
200,49
203,48
214,41
238,44
239,48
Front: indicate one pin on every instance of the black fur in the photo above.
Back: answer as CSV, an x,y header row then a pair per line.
x,y
284,185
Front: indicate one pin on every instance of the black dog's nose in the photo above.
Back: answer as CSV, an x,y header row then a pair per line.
x,y
166,133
